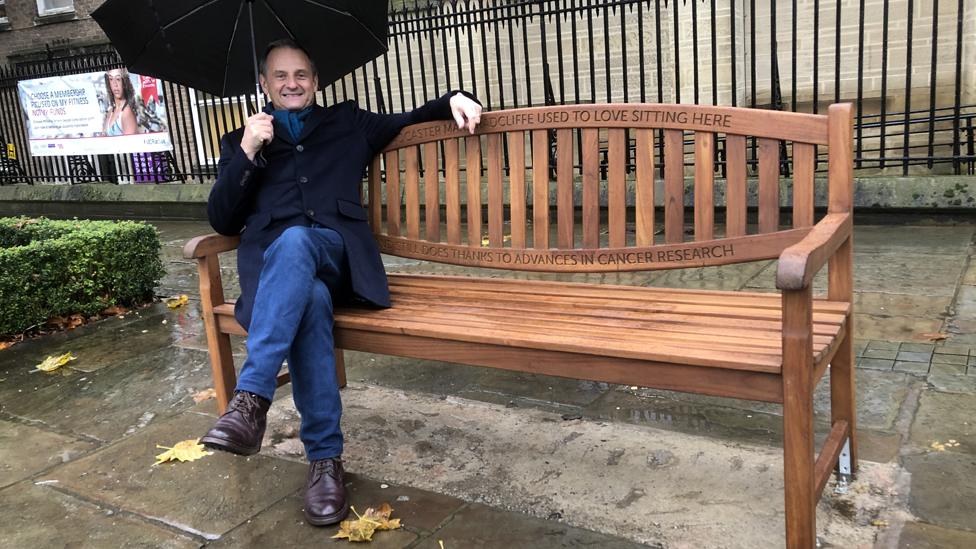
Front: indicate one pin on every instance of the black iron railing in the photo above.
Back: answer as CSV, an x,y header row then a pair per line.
x,y
912,112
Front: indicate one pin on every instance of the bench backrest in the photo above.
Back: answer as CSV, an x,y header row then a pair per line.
x,y
553,192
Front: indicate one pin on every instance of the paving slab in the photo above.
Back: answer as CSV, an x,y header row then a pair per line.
x,y
894,304
918,535
39,516
880,395
965,306
643,484
117,401
283,524
949,383
208,497
943,417
894,328
935,240
96,346
943,488
410,374
724,278
482,527
26,450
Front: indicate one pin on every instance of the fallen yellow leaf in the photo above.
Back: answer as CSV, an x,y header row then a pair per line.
x,y
114,310
932,336
205,394
177,302
879,523
365,525
52,363
5,345
185,450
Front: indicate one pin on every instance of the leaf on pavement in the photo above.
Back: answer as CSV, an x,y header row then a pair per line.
x,y
177,302
185,450
52,363
365,525
205,394
115,310
5,345
932,336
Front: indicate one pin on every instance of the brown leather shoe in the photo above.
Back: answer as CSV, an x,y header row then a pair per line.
x,y
241,428
325,494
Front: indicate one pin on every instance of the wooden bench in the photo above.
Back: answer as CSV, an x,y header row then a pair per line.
x,y
771,347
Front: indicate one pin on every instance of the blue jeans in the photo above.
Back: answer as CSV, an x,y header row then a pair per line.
x,y
293,318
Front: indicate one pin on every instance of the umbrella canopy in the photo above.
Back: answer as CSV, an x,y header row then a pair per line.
x,y
210,44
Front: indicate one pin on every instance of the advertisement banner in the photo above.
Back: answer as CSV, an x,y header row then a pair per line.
x,y
108,112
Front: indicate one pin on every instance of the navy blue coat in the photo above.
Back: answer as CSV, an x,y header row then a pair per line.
x,y
314,178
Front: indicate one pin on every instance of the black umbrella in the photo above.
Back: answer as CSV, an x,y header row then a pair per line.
x,y
210,44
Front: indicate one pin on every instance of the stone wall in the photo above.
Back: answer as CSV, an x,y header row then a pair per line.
x,y
28,35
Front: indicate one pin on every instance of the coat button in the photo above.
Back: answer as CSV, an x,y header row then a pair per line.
x,y
300,148
303,179
311,213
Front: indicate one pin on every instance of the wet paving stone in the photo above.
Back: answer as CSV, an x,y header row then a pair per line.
x,y
888,354
875,364
950,359
950,349
952,383
948,369
887,327
880,395
115,402
420,510
725,277
888,345
411,374
487,528
942,484
26,450
912,356
557,391
943,417
283,525
936,240
38,516
210,496
914,368
918,535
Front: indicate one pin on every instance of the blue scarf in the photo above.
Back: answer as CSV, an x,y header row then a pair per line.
x,y
293,120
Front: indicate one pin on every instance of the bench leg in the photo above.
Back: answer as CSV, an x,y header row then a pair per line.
x,y
798,451
340,366
222,367
843,396
798,471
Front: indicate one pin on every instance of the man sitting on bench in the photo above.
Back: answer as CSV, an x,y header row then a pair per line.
x,y
289,183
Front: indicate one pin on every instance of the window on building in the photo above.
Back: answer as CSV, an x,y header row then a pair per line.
x,y
3,12
53,7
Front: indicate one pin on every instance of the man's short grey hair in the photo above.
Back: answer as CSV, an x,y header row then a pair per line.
x,y
285,43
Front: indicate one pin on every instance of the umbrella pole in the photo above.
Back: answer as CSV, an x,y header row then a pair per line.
x,y
259,96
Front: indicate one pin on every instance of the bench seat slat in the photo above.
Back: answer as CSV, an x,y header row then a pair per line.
x,y
483,318
608,317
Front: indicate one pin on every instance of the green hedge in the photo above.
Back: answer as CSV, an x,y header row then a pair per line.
x,y
54,268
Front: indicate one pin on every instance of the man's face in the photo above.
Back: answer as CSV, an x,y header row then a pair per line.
x,y
288,79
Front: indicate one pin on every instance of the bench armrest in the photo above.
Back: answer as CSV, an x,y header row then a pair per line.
x,y
800,262
209,244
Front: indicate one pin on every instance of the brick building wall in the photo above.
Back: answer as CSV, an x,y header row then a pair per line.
x,y
27,35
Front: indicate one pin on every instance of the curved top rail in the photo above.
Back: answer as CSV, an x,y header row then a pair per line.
x,y
790,126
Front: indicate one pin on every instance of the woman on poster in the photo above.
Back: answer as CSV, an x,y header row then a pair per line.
x,y
120,117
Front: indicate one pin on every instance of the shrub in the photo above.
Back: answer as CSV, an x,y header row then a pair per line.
x,y
56,268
